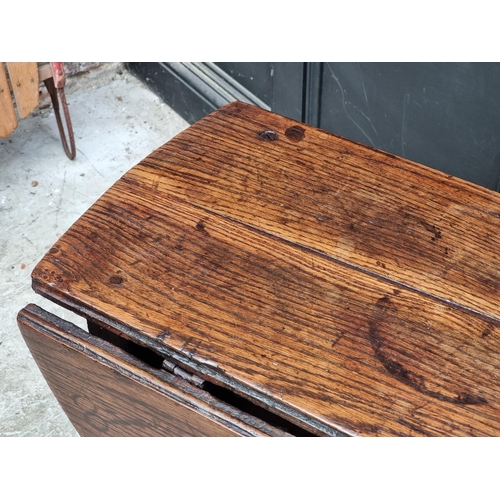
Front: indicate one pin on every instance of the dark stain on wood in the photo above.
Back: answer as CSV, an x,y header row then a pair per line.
x,y
403,374
432,229
200,226
486,332
295,133
115,280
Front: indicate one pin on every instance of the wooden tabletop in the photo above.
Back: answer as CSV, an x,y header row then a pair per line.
x,y
352,291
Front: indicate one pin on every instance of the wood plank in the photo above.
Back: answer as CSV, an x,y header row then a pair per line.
x,y
105,393
44,71
8,120
385,214
25,85
313,338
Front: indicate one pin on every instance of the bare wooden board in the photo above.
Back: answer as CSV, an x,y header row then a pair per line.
x,y
8,120
25,85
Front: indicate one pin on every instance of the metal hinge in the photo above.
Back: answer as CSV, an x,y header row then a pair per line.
x,y
171,367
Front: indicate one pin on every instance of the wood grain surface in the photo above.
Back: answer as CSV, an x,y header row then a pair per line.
x,y
347,289
106,392
8,119
25,85
398,219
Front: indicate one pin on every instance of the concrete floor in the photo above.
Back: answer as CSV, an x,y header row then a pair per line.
x,y
117,122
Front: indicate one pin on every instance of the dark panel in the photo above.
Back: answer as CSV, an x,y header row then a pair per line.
x,y
313,80
176,92
278,84
193,89
256,77
288,90
444,115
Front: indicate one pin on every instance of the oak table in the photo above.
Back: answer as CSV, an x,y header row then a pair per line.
x,y
257,276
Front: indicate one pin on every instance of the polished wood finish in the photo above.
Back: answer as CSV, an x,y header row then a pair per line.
x,y
107,392
365,207
350,291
